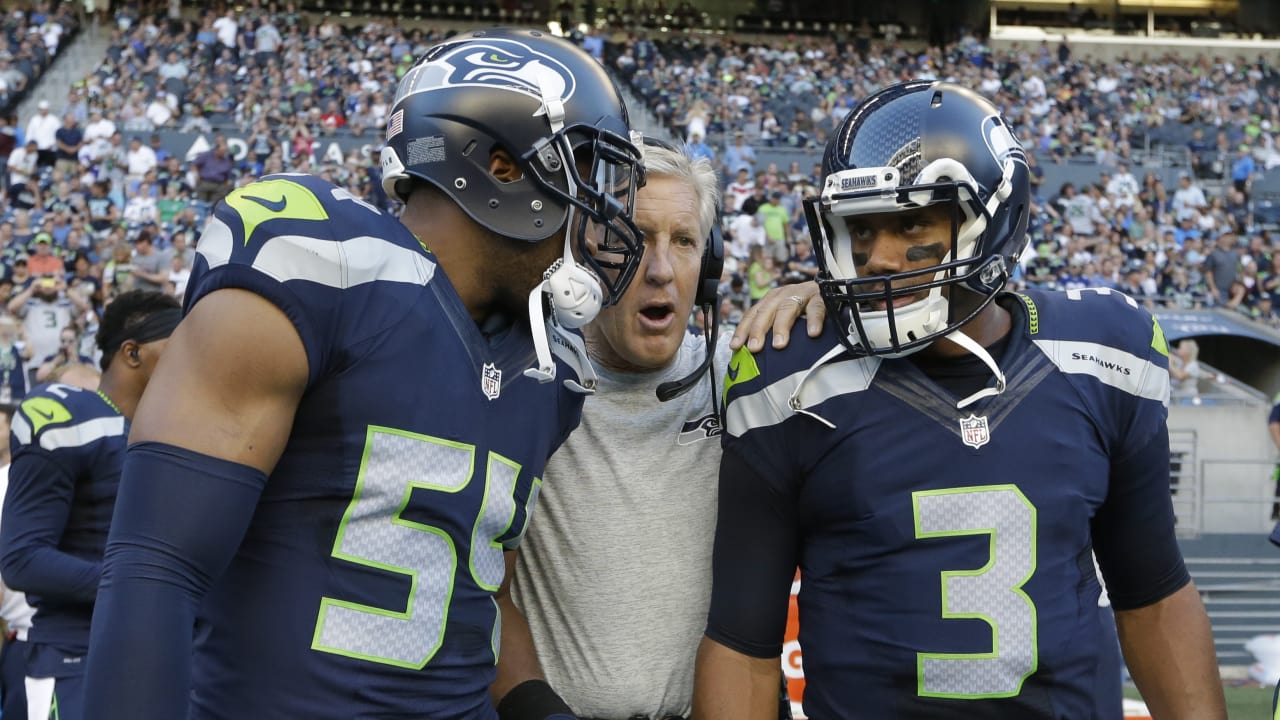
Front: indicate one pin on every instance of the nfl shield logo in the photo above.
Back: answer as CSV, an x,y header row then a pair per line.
x,y
491,383
974,431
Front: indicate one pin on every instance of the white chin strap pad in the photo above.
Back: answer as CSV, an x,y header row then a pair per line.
x,y
575,292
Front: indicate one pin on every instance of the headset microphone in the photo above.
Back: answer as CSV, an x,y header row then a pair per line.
x,y
707,298
673,389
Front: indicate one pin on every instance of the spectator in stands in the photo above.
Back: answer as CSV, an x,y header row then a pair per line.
x,y
751,205
22,168
1243,168
699,149
1080,211
68,140
1222,267
1202,152
227,29
158,113
744,232
802,266
150,269
760,274
19,276
266,42
44,263
1238,297
68,353
1265,312
12,81
214,172
173,68
739,156
103,212
196,122
332,118
1123,186
139,160
13,373
44,308
141,208
1178,292
740,189
117,274
776,222
1188,198
593,43
43,128
179,274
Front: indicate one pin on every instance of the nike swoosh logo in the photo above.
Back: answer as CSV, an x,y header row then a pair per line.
x,y
47,416
275,206
733,372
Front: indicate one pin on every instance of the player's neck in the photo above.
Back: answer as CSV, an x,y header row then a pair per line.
x,y
457,246
992,324
120,392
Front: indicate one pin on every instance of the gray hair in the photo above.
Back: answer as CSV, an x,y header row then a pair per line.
x,y
667,162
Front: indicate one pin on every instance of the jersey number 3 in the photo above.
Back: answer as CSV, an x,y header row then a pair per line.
x,y
397,466
992,593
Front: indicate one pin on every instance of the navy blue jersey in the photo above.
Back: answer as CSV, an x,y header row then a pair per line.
x,y
944,553
364,585
68,448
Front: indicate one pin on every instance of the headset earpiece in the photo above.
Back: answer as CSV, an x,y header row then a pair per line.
x,y
712,267
134,354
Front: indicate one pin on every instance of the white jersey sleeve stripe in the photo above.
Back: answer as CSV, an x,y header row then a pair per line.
x,y
1111,366
21,428
336,264
81,434
771,405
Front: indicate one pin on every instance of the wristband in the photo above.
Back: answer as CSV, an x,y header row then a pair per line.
x,y
534,700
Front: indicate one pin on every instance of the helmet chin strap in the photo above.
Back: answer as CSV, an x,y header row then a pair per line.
x,y
573,290
972,346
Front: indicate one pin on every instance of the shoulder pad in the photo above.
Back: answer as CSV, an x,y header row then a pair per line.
x,y
58,416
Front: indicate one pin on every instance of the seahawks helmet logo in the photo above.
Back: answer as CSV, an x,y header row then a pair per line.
x,y
496,63
1000,141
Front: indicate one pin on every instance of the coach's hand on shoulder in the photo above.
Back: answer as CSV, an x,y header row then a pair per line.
x,y
779,310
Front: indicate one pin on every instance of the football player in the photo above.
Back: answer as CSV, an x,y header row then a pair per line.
x,y
349,433
940,463
68,447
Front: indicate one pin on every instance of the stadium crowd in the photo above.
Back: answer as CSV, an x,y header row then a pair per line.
x,y
30,35
1193,245
96,204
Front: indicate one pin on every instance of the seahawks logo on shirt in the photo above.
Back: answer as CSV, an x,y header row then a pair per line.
x,y
703,428
496,63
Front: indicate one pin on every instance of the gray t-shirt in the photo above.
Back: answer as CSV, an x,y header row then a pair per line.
x,y
1224,265
152,263
614,574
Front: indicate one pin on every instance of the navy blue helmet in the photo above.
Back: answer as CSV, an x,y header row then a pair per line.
x,y
555,110
912,145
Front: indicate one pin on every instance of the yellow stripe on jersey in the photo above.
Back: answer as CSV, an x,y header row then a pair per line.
x,y
1033,314
1158,341
43,411
742,368
273,200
